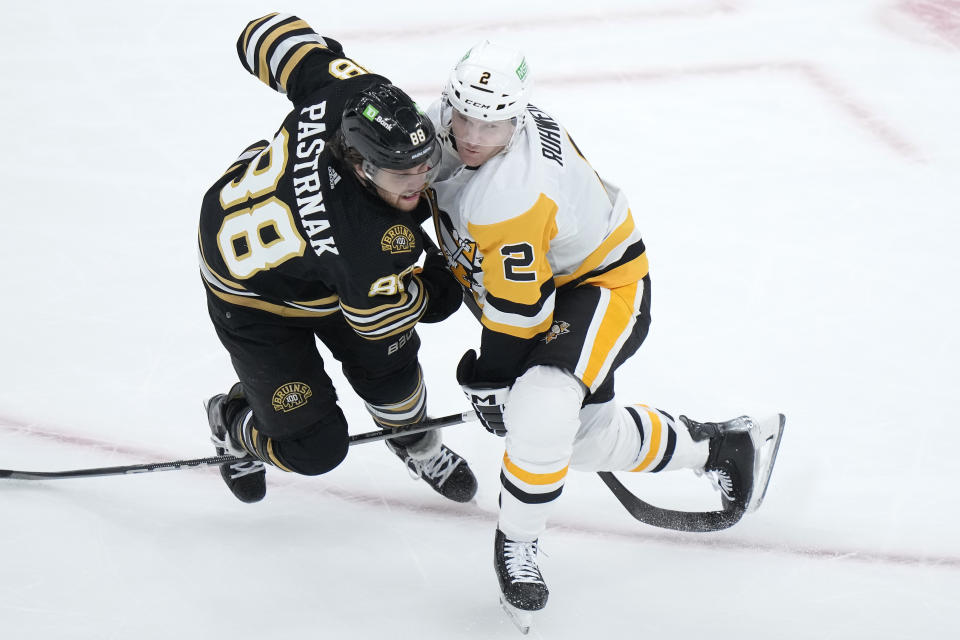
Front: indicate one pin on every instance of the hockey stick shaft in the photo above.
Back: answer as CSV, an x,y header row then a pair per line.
x,y
176,465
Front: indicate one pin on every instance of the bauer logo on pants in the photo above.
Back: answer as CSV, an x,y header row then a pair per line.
x,y
290,396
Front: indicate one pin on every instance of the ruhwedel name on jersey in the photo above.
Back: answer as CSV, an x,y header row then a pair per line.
x,y
549,132
306,179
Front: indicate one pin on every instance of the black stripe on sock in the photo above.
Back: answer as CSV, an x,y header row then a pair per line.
x,y
668,454
528,498
636,418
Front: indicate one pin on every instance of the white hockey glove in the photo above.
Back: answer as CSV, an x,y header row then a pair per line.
x,y
488,398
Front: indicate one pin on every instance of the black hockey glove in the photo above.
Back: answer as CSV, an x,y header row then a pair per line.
x,y
488,398
444,294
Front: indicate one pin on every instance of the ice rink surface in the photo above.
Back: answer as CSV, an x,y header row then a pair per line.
x,y
794,167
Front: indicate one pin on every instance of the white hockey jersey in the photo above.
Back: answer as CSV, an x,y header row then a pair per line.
x,y
531,221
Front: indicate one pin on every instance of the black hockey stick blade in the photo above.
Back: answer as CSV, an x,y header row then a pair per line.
x,y
691,521
765,434
381,434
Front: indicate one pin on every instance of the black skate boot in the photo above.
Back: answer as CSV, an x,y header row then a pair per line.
x,y
741,458
246,480
522,589
446,472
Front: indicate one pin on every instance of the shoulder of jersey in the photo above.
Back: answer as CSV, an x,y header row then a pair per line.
x,y
509,185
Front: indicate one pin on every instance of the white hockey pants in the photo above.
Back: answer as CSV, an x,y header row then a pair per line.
x,y
548,432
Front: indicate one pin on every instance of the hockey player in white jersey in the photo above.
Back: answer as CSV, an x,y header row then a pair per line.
x,y
555,265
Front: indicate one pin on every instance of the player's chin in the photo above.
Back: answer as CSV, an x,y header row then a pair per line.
x,y
407,202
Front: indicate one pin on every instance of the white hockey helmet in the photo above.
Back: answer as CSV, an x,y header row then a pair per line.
x,y
489,83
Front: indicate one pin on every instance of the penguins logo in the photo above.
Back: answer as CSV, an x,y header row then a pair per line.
x,y
556,330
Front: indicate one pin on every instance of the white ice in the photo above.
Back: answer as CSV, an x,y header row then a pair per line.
x,y
795,169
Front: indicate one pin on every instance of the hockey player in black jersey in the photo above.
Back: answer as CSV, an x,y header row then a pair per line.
x,y
316,234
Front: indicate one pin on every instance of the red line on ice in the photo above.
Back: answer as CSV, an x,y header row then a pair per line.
x,y
940,16
472,512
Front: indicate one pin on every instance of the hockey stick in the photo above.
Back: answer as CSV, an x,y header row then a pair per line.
x,y
692,521
766,440
382,434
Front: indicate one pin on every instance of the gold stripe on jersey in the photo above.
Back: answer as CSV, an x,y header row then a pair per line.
x,y
271,47
656,434
629,272
263,47
617,321
517,277
250,152
276,309
253,26
533,478
389,319
632,271
524,333
283,74
207,271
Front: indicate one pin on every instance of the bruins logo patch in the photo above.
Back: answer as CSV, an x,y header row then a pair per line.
x,y
290,396
557,329
398,239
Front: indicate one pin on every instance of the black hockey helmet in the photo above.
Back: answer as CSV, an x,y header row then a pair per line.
x,y
384,126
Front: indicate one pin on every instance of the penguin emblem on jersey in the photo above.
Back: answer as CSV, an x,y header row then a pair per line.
x,y
398,239
461,253
557,329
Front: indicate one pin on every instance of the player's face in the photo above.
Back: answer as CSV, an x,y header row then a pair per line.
x,y
401,188
479,140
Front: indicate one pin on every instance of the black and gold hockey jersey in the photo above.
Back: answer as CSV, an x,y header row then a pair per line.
x,y
286,229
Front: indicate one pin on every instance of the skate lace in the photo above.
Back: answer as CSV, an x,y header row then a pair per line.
x,y
723,482
241,469
225,447
440,467
521,561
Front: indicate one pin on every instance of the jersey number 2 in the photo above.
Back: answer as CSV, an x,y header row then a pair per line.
x,y
518,256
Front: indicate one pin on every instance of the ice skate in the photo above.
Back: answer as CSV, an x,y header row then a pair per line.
x,y
446,472
246,480
741,458
522,589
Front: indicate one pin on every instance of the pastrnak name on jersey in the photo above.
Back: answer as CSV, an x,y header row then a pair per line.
x,y
306,179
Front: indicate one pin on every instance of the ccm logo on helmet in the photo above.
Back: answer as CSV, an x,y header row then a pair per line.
x,y
477,104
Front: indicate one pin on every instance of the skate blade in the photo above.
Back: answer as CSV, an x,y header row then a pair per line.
x,y
520,618
766,442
